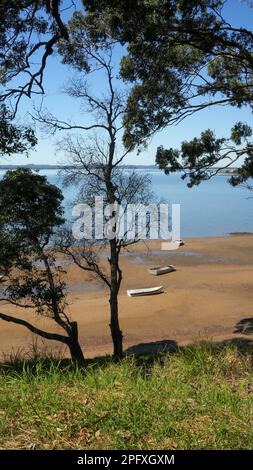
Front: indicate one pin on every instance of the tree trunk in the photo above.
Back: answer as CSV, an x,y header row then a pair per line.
x,y
74,346
116,332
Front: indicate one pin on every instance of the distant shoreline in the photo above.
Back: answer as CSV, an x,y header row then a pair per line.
x,y
220,172
62,167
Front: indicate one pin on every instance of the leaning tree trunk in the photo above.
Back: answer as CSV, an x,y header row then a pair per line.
x,y
116,332
74,346
71,340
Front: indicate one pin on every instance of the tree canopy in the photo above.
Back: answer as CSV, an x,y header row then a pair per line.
x,y
31,278
177,51
182,56
30,210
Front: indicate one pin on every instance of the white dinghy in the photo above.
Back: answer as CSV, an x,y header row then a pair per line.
x,y
157,270
147,291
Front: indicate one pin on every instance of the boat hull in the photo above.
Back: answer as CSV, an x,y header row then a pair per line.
x,y
158,270
141,292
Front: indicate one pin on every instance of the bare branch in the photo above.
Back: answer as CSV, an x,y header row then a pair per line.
x,y
54,124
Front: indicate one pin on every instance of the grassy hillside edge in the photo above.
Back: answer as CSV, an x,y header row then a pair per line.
x,y
200,397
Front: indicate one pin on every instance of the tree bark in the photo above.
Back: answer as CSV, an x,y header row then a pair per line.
x,y
116,332
74,346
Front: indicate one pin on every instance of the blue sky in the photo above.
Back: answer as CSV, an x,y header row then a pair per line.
x,y
220,119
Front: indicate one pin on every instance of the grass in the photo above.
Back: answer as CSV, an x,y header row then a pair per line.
x,y
197,398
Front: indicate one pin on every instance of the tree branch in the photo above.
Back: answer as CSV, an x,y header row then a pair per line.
x,y
34,329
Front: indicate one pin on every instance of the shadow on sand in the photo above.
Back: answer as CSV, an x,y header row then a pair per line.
x,y
244,326
146,354
166,346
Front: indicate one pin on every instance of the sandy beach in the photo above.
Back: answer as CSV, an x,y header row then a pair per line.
x,y
206,298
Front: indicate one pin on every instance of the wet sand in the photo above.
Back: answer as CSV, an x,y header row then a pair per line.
x,y
208,295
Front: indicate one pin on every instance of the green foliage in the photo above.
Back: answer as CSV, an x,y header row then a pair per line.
x,y
182,56
74,53
13,138
198,398
30,207
240,132
29,31
16,19
89,36
30,211
177,51
31,278
197,157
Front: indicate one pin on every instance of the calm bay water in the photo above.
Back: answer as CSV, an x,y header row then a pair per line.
x,y
213,208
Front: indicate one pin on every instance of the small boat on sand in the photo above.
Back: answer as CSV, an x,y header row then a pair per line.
x,y
157,270
147,291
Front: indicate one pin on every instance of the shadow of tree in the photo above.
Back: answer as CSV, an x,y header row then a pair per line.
x,y
244,326
156,347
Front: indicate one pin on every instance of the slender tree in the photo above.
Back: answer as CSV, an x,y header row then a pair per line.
x,y
94,160
30,212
